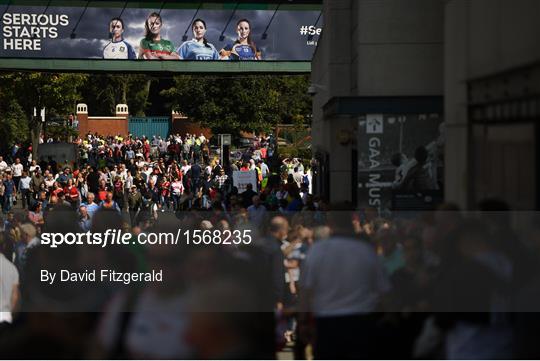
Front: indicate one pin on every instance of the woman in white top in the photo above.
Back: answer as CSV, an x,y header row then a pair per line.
x,y
177,189
49,181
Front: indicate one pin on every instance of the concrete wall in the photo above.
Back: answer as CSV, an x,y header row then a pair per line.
x,y
502,34
330,66
482,38
331,69
399,47
455,99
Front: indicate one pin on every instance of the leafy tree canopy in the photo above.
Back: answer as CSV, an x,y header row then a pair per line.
x,y
102,92
22,91
224,104
250,103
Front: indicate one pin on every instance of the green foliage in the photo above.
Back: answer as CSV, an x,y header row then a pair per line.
x,y
102,92
291,151
296,134
138,89
58,93
14,126
225,104
250,103
60,133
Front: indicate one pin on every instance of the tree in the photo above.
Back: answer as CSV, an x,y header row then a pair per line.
x,y
250,103
13,127
58,93
102,92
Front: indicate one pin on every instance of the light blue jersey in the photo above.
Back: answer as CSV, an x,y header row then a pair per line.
x,y
193,50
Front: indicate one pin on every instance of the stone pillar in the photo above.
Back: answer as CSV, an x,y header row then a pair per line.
x,y
122,110
82,117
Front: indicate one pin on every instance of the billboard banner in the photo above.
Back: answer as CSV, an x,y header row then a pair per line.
x,y
400,161
209,34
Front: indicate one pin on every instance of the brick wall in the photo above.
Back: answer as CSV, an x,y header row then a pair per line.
x,y
119,124
103,125
108,126
182,125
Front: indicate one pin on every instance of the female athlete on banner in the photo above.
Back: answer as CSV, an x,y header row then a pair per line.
x,y
152,46
198,48
118,48
244,47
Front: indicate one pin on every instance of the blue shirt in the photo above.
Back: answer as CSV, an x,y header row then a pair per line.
x,y
91,208
241,52
63,178
114,206
193,50
10,187
85,224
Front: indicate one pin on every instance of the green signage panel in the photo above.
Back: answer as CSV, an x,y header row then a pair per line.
x,y
115,66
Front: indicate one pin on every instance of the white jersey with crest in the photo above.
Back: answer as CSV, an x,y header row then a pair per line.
x,y
119,50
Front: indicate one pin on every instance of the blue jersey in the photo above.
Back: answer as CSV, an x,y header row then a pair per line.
x,y
194,50
119,50
240,52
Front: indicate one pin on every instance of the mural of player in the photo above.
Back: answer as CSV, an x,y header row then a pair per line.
x,y
118,48
153,46
244,47
198,48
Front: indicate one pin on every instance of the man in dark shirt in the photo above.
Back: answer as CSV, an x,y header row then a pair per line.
x,y
247,196
174,150
93,181
418,178
35,183
134,202
196,171
278,231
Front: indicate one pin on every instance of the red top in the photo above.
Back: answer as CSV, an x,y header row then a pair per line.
x,y
73,192
165,188
102,194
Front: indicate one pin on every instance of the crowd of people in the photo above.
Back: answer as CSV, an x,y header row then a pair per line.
x,y
328,281
146,176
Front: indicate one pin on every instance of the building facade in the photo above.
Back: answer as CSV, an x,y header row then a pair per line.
x,y
376,59
472,66
492,101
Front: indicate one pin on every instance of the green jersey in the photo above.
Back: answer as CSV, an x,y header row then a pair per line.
x,y
162,47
